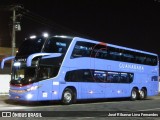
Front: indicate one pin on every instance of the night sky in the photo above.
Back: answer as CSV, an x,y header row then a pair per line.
x,y
129,23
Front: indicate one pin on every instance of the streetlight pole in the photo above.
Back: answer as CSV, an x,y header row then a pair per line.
x,y
13,32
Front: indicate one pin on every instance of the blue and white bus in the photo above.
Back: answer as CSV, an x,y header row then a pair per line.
x,y
73,68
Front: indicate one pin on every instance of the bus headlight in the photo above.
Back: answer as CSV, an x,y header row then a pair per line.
x,y
32,88
17,64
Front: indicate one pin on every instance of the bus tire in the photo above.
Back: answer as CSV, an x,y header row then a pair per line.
x,y
142,94
67,96
134,94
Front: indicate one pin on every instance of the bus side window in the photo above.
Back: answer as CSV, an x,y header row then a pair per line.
x,y
68,76
130,75
109,78
154,78
100,76
126,77
87,77
71,76
123,79
115,79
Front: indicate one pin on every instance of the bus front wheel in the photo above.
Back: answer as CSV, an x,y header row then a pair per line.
x,y
134,94
67,96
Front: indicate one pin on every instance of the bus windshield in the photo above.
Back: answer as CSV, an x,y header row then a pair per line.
x,y
22,75
26,75
56,45
30,46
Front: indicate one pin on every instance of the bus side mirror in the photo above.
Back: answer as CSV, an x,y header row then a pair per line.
x,y
45,55
6,59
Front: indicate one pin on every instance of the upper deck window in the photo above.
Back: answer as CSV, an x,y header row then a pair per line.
x,y
86,49
56,45
30,46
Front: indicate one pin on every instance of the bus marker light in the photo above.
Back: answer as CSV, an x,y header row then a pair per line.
x,y
55,83
118,91
44,94
91,92
55,92
29,96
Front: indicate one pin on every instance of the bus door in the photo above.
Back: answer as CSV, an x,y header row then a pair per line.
x,y
45,84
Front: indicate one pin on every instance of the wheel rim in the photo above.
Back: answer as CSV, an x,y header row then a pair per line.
x,y
134,94
67,97
142,94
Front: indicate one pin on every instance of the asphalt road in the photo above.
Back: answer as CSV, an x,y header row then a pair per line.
x,y
121,109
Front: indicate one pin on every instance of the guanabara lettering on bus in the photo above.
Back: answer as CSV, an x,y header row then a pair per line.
x,y
73,68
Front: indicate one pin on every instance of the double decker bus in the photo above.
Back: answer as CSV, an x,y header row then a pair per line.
x,y
73,68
